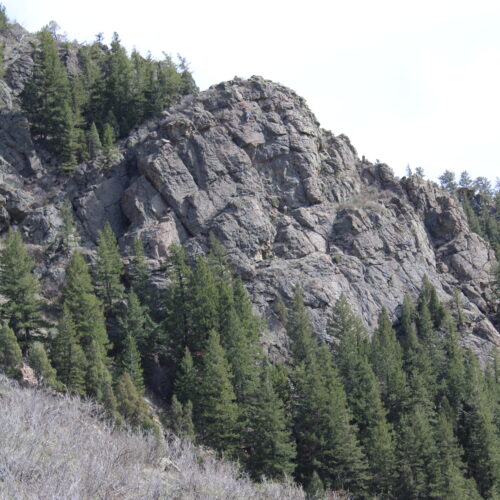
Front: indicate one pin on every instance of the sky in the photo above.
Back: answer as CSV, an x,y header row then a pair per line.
x,y
410,83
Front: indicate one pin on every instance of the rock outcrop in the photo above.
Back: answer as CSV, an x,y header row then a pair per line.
x,y
292,203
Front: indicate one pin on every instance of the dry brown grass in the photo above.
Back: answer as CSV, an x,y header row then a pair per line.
x,y
62,448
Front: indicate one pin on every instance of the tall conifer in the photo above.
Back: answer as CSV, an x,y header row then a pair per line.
x,y
272,450
19,286
218,410
10,353
109,268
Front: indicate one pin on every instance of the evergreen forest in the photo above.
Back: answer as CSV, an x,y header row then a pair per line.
x,y
407,413
78,112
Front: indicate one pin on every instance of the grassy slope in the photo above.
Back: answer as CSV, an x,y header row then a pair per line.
x,y
61,448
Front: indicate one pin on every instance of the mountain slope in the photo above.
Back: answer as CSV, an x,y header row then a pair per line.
x,y
291,203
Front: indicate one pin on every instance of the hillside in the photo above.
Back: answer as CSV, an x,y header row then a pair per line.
x,y
291,203
285,302
61,447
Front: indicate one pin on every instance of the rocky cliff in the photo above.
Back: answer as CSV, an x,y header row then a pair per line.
x,y
291,203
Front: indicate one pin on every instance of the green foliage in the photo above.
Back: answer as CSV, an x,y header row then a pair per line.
x,y
203,304
272,450
129,403
47,99
326,441
68,357
315,489
111,94
299,328
387,363
4,20
181,418
481,204
109,268
363,394
478,433
417,456
19,286
94,142
217,409
129,360
447,180
10,352
98,379
451,480
83,306
139,273
186,382
136,323
39,361
177,324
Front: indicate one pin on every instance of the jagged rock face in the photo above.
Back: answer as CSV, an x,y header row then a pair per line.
x,y
292,204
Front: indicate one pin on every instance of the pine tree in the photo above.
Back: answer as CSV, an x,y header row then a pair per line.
x,y
10,353
139,273
181,418
375,434
272,450
342,461
454,383
186,381
129,360
137,323
409,339
326,440
299,329
478,433
97,374
78,282
363,394
83,306
177,324
117,86
108,139
417,456
68,357
109,268
239,338
94,142
47,99
218,411
387,362
19,286
39,361
348,329
431,348
203,311
130,404
315,489
451,479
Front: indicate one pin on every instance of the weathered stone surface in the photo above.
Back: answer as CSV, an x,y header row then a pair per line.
x,y
293,204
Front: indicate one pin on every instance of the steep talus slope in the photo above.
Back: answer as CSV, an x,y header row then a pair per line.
x,y
292,204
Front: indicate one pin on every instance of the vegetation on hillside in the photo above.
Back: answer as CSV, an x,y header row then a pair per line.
x,y
481,204
405,414
78,112
63,447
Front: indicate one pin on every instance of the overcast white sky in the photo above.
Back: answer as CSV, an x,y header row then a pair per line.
x,y
413,83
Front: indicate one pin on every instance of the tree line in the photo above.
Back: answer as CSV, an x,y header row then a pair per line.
x,y
481,204
77,115
407,413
